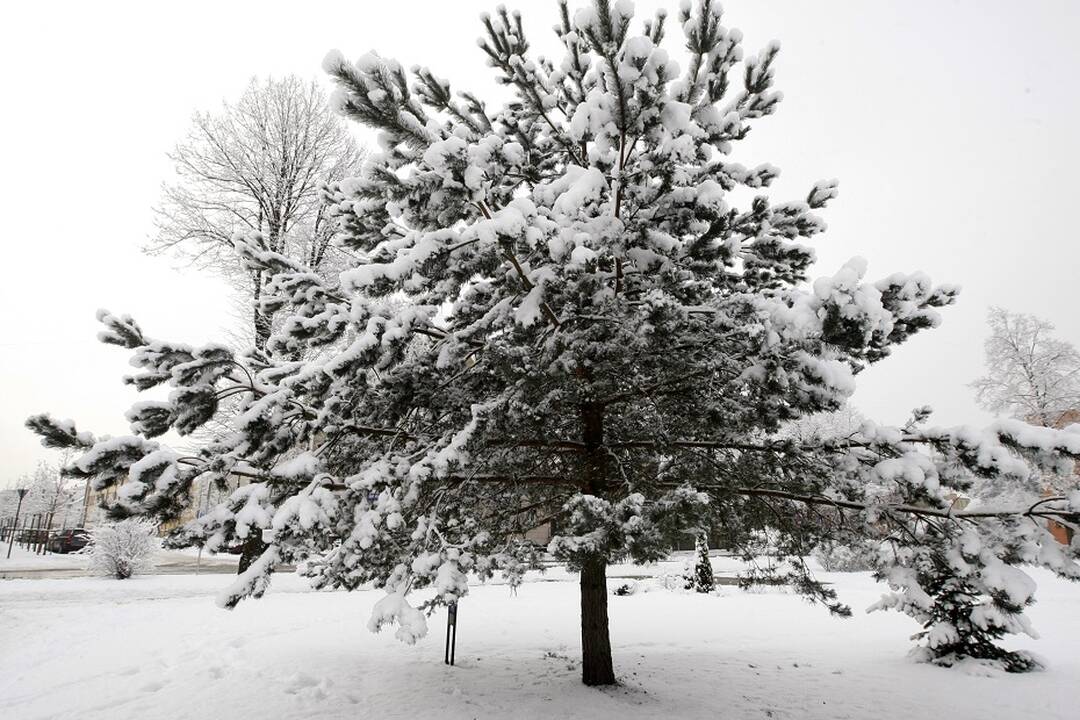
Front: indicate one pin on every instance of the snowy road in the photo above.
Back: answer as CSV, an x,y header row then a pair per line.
x,y
27,565
182,568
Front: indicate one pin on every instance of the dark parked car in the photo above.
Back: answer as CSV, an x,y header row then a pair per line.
x,y
66,541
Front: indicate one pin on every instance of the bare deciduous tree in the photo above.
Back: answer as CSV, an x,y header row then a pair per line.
x,y
256,165
51,495
1030,374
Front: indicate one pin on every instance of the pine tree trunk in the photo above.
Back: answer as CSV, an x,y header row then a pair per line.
x,y
596,666
253,548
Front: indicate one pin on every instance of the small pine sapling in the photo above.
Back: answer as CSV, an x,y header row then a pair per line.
x,y
703,580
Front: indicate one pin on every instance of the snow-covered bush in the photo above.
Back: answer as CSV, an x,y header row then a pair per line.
x,y
122,549
839,557
673,581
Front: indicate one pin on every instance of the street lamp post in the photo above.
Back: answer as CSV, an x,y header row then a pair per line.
x,y
15,524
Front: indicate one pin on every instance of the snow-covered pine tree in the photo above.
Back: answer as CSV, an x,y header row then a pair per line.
x,y
556,312
702,580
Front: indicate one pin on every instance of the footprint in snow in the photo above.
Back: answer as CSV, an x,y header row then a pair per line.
x,y
305,687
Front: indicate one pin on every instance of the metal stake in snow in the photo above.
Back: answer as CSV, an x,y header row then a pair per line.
x,y
451,625
15,522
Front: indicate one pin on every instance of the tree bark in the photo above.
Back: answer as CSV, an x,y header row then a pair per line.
x,y
260,322
596,668
253,548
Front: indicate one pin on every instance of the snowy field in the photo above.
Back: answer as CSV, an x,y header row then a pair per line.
x,y
158,647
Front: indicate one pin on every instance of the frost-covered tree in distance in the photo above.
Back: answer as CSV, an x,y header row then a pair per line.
x,y
556,313
1030,374
257,165
50,495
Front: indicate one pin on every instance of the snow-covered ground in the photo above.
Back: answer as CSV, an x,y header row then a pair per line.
x,y
158,647
22,559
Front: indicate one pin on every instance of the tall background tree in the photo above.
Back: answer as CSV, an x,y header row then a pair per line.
x,y
556,310
1030,374
257,165
55,499
1033,376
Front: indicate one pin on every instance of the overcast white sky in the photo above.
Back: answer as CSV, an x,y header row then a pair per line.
x,y
951,126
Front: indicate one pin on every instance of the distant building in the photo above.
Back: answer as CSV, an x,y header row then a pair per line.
x,y
1062,533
